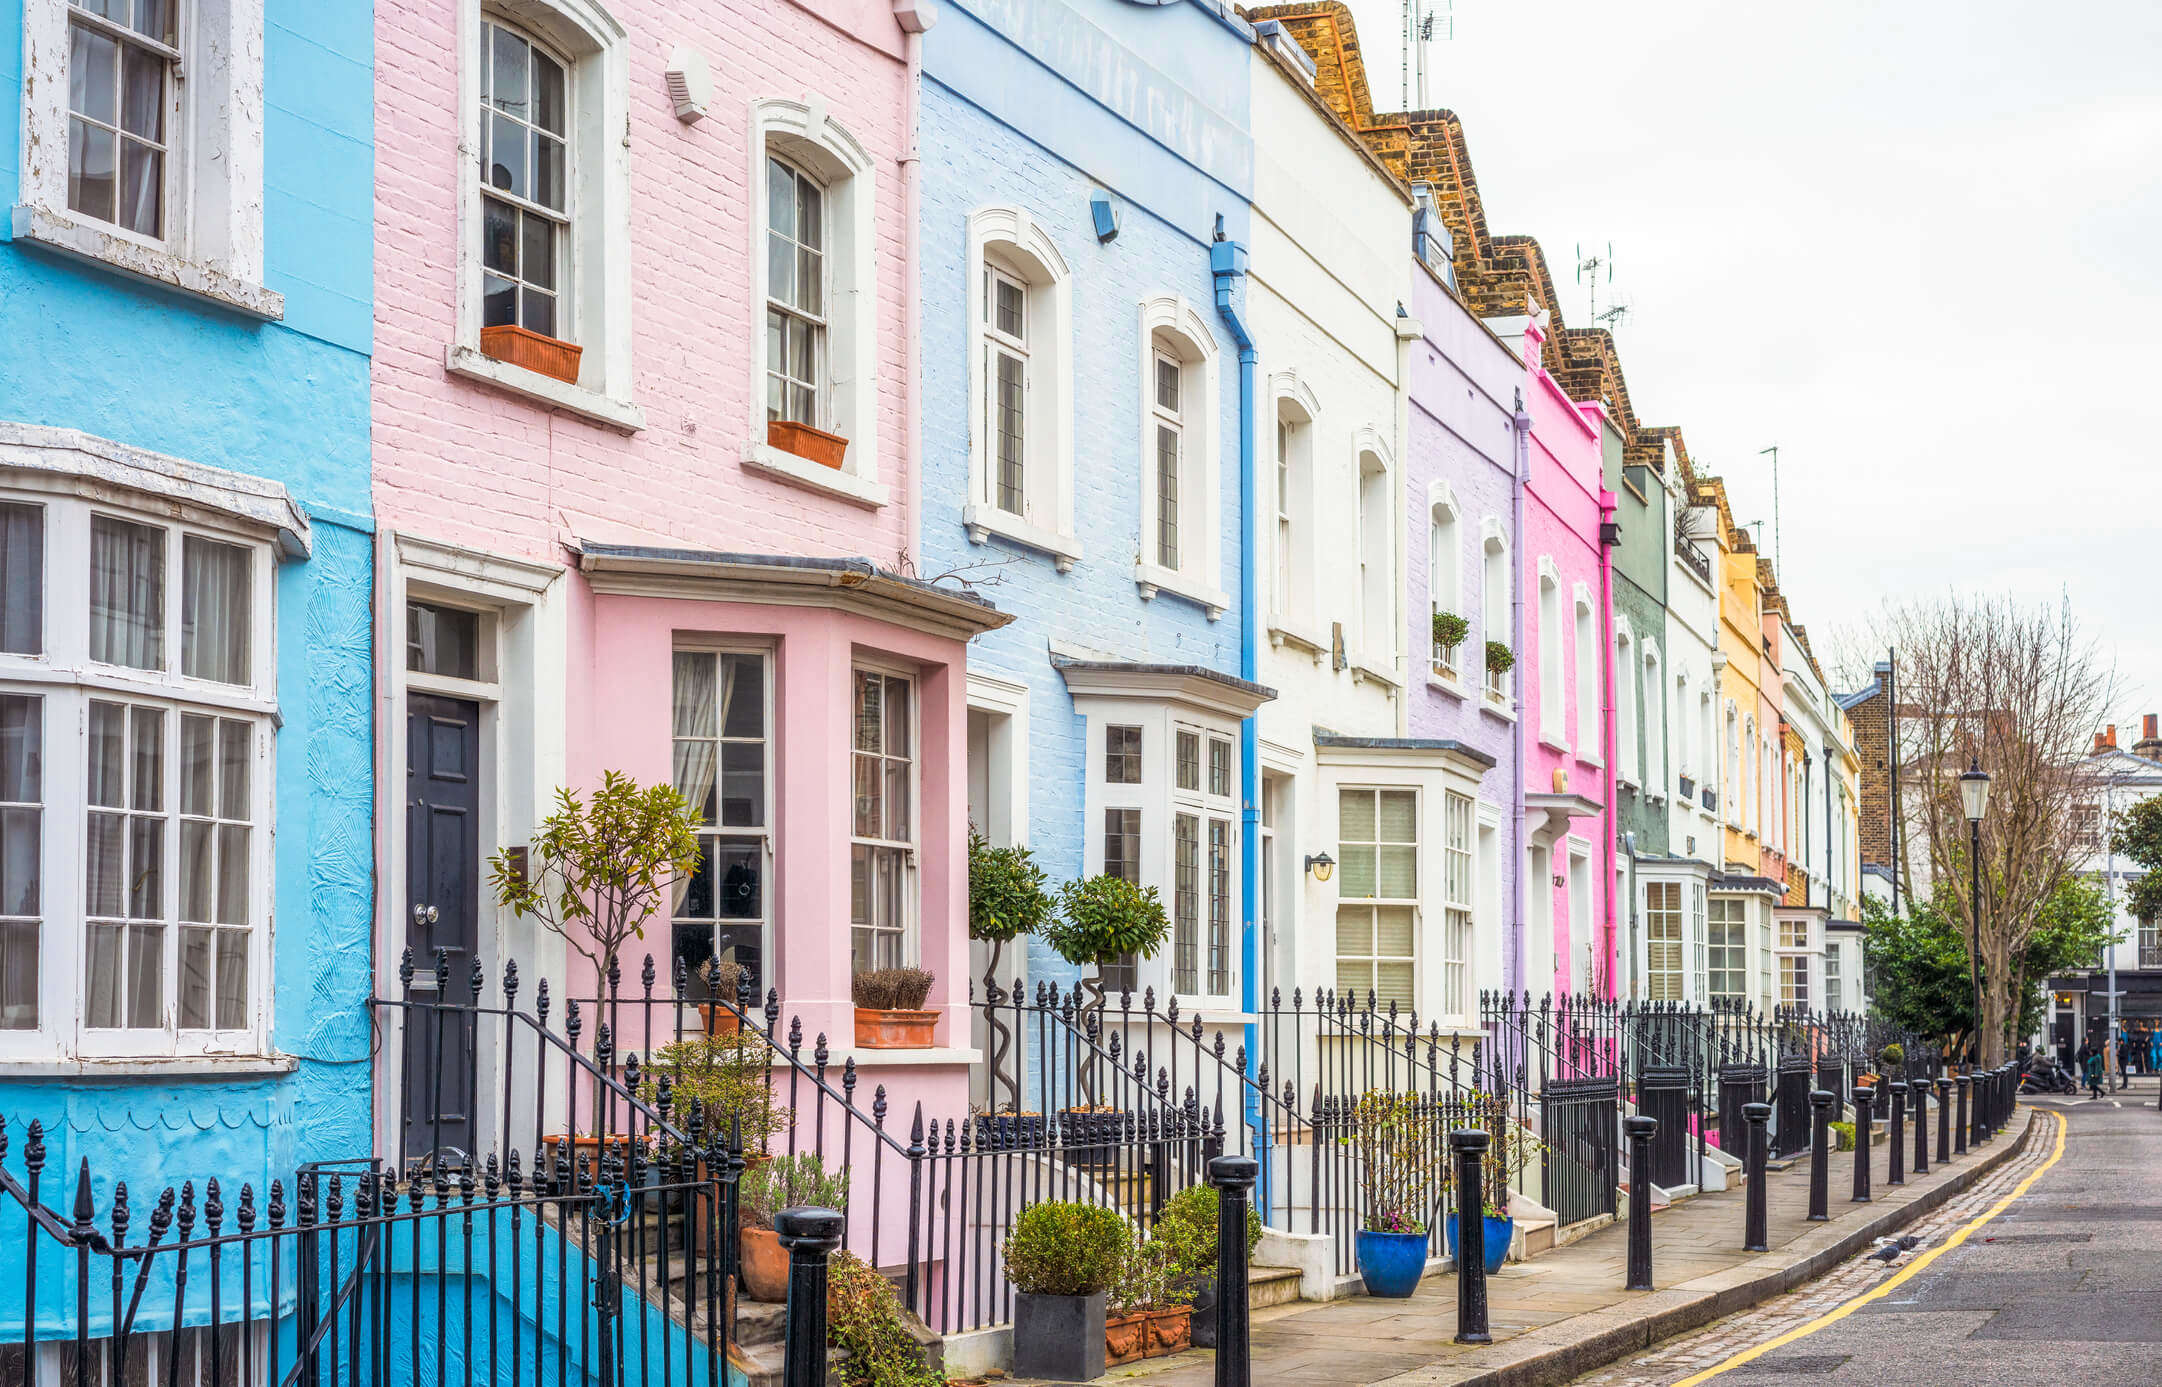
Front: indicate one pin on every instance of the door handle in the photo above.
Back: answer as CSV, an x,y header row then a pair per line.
x,y
424,915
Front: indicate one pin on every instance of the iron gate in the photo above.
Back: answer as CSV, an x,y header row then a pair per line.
x,y
1580,1119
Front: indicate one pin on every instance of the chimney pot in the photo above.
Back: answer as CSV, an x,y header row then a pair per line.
x,y
2113,734
2147,727
2099,745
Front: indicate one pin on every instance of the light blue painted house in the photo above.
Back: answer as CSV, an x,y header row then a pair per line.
x,y
1085,164
186,763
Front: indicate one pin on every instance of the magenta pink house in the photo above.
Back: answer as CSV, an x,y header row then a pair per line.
x,y
644,450
1565,712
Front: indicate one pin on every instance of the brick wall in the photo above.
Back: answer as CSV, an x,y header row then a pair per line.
x,y
1871,722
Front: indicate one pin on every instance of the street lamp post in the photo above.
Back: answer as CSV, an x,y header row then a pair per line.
x,y
1974,799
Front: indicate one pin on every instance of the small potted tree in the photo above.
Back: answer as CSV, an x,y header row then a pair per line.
x,y
785,1182
598,870
1500,659
1062,1259
1187,1226
1101,921
1509,1154
1393,1151
1449,633
724,984
890,1014
1008,898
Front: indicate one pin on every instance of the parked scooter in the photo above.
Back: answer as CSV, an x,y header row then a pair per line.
x,y
2044,1074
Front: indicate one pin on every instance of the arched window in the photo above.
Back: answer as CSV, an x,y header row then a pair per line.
x,y
1551,724
1377,585
1653,717
1747,772
1685,765
1495,589
1625,705
1444,571
1180,474
1291,574
1020,382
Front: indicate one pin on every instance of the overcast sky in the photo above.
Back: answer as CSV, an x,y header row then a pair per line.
x,y
1918,245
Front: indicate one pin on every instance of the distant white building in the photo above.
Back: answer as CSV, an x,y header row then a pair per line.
x,y
2116,780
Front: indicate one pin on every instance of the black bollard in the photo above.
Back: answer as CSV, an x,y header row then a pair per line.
x,y
810,1235
1959,1124
1944,1120
1640,1131
1820,1155
1895,1108
1234,1178
1755,1234
1921,1126
1469,1144
1864,1096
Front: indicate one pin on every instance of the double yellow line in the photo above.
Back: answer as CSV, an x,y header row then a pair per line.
x,y
1904,1275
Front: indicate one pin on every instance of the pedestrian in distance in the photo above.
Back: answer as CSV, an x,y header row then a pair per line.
x,y
2124,1057
2090,1068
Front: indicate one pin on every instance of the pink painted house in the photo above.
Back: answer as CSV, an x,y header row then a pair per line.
x,y
645,446
1565,714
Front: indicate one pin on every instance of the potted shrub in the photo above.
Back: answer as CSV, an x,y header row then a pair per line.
x,y
865,1320
1187,1226
1894,1058
785,1182
723,982
1509,1153
1100,921
806,442
1449,633
1007,899
890,1014
1500,659
1148,1315
1393,1150
534,351
1062,1259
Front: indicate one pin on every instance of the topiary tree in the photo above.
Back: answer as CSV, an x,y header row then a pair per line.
x,y
1101,920
1007,899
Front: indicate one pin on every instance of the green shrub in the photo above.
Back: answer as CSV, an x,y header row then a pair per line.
x,y
727,1074
1894,1055
1149,1279
1187,1226
1450,630
1062,1248
892,989
1500,659
1843,1134
1007,894
788,1182
1104,918
865,1320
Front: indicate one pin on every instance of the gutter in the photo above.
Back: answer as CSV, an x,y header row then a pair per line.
x,y
1520,421
1227,266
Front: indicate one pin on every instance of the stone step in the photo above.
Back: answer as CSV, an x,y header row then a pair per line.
x,y
1535,1236
1267,1286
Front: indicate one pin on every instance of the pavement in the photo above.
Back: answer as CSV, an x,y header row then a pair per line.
x,y
1565,1313
2060,1287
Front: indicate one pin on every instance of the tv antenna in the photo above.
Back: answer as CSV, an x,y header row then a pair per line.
x,y
1614,313
1589,268
1774,451
1424,21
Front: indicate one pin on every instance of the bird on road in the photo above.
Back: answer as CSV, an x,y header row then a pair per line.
x,y
1889,1249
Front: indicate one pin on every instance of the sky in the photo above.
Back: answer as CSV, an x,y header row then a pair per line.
x,y
1916,245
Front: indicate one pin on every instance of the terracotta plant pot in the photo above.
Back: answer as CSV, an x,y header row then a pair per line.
x,y
812,445
523,347
718,1020
1170,1330
877,1029
765,1266
1126,1339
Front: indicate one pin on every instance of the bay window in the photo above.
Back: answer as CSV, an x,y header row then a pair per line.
x,y
882,850
1202,813
1728,946
722,721
135,737
1663,941
1378,894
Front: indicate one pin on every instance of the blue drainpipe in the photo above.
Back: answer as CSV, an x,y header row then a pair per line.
x,y
1227,263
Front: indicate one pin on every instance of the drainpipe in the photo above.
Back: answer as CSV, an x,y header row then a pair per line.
x,y
1227,265
1521,423
1609,719
914,20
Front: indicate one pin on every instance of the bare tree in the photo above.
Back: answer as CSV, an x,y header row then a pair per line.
x,y
2016,690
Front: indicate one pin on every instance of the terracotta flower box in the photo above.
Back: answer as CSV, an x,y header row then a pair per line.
x,y
880,1029
812,445
519,346
1148,1334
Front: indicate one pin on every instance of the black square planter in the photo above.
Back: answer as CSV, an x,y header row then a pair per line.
x,y
1058,1337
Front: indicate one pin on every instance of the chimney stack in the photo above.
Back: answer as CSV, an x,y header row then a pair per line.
x,y
2100,745
2149,744
2110,736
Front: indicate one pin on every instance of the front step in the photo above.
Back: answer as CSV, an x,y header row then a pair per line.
x,y
1535,1236
1267,1286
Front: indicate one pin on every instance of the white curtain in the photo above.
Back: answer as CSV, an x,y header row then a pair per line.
x,y
695,726
214,601
127,594
22,578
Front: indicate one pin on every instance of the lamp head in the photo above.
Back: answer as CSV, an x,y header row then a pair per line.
x,y
1974,791
1321,865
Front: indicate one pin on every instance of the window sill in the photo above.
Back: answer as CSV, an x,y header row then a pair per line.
x,y
1152,579
937,1054
1597,763
784,466
1553,743
95,244
1498,709
1364,673
172,1067
462,360
1447,684
1283,633
982,522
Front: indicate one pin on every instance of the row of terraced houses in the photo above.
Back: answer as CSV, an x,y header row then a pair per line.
x,y
1066,418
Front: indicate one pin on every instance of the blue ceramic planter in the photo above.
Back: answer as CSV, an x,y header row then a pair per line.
x,y
1391,1263
1499,1233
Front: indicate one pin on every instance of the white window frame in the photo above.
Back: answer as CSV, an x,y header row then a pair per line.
x,y
1727,959
767,831
1699,928
803,134
1445,573
1375,904
213,242
1008,239
1211,814
1626,761
1657,775
1665,950
596,291
911,946
1552,684
1458,839
1174,330
1297,413
1495,591
1590,739
68,680
564,219
1375,602
1834,984
1792,969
